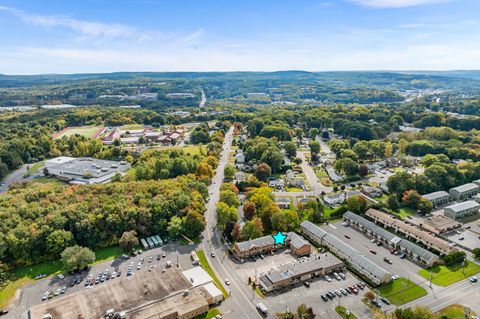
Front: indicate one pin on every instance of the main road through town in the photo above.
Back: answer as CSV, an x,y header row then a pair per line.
x,y
242,300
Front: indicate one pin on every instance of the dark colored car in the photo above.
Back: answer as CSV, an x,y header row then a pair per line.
x,y
324,297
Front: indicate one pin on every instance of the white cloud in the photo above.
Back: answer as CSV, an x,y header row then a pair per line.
x,y
397,3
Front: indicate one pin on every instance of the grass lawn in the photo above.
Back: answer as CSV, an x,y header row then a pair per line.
x,y
189,149
209,315
452,312
401,291
107,253
132,127
405,211
209,270
447,275
87,131
327,211
342,311
35,167
49,180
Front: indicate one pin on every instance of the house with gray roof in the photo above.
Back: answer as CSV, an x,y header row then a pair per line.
x,y
464,191
437,198
462,210
374,273
266,244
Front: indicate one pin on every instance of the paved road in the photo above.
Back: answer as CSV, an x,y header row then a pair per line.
x,y
203,100
241,303
16,176
312,178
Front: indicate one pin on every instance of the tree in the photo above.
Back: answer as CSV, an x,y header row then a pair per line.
x,y
273,157
347,166
392,202
175,227
285,221
290,149
229,172
252,229
57,241
476,252
411,198
363,170
454,258
236,232
249,210
313,133
225,214
314,148
400,182
77,257
357,204
128,240
230,198
388,150
263,172
424,206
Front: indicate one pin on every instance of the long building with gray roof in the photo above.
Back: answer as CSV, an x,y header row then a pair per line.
x,y
411,250
374,273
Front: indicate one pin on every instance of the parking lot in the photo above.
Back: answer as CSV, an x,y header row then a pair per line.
x,y
32,294
400,267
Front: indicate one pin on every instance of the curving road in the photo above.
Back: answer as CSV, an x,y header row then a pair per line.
x,y
242,301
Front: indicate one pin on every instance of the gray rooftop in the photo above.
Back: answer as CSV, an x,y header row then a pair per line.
x,y
264,241
463,206
91,167
296,240
354,255
417,250
436,195
465,187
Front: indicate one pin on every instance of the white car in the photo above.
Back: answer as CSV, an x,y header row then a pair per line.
x,y
227,282
328,278
395,277
61,276
45,295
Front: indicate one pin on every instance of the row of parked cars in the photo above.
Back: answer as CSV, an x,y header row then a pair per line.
x,y
343,291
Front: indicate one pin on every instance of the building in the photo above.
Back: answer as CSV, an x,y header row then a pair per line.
x,y
239,157
283,202
464,191
412,251
437,198
371,191
266,244
160,294
410,232
462,210
477,182
374,273
299,271
439,224
477,198
299,245
84,170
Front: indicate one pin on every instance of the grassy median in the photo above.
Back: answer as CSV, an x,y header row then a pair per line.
x,y
342,311
447,275
209,270
401,291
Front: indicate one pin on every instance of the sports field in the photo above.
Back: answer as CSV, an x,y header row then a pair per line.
x,y
87,131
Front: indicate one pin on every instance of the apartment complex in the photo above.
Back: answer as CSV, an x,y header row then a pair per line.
x,y
464,191
266,244
462,210
437,198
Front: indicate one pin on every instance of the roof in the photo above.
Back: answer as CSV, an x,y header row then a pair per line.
x,y
298,268
389,220
260,242
297,241
90,167
417,250
469,204
354,255
59,160
197,276
465,187
436,195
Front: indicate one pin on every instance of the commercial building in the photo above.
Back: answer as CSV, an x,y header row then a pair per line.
x,y
374,273
437,198
266,244
158,294
464,191
412,251
439,224
410,232
84,170
462,210
299,271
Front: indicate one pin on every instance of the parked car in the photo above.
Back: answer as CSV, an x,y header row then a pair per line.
x,y
385,301
402,256
307,284
125,256
342,275
212,254
328,278
346,236
473,279
61,276
57,292
324,297
45,295
387,260
63,290
227,282
373,251
40,276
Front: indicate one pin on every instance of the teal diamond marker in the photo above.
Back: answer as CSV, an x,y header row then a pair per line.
x,y
279,238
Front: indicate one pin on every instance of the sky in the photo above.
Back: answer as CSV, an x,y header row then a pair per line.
x,y
85,36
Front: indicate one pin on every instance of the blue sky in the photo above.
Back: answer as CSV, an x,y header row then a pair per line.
x,y
58,36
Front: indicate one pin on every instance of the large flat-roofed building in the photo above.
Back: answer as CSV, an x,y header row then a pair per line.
x,y
412,251
464,191
85,170
439,224
462,210
477,182
298,271
437,198
410,232
266,244
374,273
156,294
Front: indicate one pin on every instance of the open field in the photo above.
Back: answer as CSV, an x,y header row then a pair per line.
x,y
401,291
209,270
87,131
447,275
452,312
188,149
